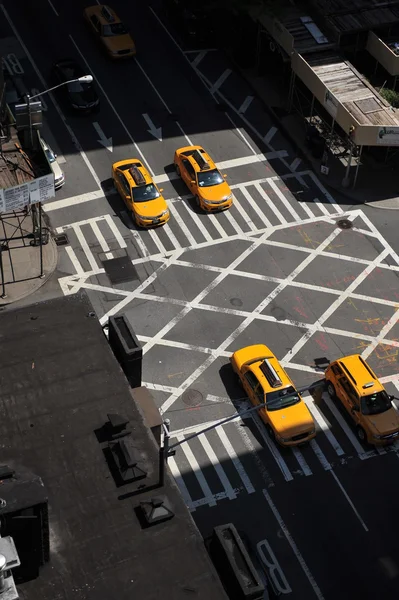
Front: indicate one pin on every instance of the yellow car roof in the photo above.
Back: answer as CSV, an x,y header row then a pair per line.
x,y
134,171
267,369
104,13
199,159
360,374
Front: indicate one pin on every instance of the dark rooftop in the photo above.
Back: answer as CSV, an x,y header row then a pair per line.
x,y
349,16
59,380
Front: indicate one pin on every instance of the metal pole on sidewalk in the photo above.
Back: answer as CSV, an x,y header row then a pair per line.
x,y
3,283
30,120
41,241
357,166
164,452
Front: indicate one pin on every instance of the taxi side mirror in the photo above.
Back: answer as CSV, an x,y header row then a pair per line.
x,y
192,182
161,189
225,176
392,398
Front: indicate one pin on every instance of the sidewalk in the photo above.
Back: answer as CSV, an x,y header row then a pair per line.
x,y
377,184
21,260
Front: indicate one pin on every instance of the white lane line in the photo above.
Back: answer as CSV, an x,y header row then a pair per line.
x,y
283,199
52,6
245,105
270,134
101,239
345,493
343,424
295,164
154,236
73,200
199,58
325,427
90,70
244,214
301,461
204,232
217,466
74,260
192,461
115,231
176,216
220,81
235,460
270,204
167,229
215,222
253,452
135,234
57,108
180,483
233,222
255,207
293,545
85,247
321,207
320,455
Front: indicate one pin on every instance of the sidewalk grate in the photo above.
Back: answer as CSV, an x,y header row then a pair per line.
x,y
61,239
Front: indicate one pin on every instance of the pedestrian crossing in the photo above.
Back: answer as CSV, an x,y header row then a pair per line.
x,y
229,459
258,205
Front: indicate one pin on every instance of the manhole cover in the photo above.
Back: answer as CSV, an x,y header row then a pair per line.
x,y
345,224
192,397
236,302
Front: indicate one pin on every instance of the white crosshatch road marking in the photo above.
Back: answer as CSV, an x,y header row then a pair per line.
x,y
335,441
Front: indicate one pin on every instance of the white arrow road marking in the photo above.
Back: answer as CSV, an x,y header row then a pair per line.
x,y
106,142
155,131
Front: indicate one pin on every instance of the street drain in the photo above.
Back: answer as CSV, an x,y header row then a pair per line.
x,y
192,397
345,224
236,302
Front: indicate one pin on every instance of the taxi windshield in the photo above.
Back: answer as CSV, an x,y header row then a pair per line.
x,y
282,398
375,404
208,178
114,29
143,193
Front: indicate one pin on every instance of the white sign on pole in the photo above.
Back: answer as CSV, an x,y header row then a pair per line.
x,y
1,201
331,103
388,136
42,189
16,197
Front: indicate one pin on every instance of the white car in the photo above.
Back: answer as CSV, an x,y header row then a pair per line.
x,y
59,177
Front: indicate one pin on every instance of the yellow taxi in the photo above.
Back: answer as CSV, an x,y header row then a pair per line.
x,y
286,416
203,179
354,383
140,194
111,32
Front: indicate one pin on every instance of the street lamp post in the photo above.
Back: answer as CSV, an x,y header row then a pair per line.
x,y
83,79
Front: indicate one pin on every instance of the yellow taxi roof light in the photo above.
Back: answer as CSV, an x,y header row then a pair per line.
x,y
107,14
137,175
368,385
200,160
270,374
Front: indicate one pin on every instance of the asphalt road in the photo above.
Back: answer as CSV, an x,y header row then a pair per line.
x,y
276,268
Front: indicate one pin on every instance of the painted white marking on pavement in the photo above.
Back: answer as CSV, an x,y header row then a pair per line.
x,y
57,108
73,200
101,238
254,453
293,545
270,204
200,56
52,6
167,229
177,218
320,455
235,460
215,222
104,141
85,247
345,493
321,207
220,81
243,213
180,483
343,424
295,164
204,232
155,238
197,470
115,231
155,131
270,134
245,105
325,193
111,105
325,427
301,461
283,199
217,466
74,260
233,222
255,207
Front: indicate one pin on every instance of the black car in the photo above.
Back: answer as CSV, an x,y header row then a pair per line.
x,y
81,97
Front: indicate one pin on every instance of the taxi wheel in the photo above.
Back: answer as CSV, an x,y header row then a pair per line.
x,y
331,390
178,170
361,434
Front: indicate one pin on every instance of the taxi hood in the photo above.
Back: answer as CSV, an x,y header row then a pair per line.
x,y
384,423
151,208
292,420
215,192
